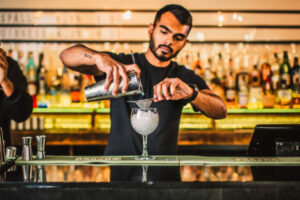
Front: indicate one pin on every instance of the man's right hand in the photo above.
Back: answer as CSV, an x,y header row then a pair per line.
x,y
115,71
88,61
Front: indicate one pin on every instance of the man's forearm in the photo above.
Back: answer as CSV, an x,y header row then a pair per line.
x,y
81,59
209,103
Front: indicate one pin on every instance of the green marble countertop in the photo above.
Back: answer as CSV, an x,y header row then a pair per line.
x,y
164,161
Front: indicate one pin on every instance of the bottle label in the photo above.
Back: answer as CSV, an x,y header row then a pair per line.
x,y
284,95
32,89
286,77
230,95
243,98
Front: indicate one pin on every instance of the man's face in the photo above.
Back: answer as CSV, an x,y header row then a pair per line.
x,y
168,37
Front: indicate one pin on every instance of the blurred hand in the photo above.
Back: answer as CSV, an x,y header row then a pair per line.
x,y
115,72
171,89
3,66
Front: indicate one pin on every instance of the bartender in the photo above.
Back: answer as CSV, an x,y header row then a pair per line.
x,y
171,85
15,102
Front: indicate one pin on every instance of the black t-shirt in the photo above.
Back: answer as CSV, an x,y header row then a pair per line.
x,y
123,140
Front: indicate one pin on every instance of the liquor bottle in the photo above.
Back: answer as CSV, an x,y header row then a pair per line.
x,y
42,101
75,88
255,92
296,84
31,72
275,72
255,77
207,73
268,98
216,87
219,70
242,80
230,93
22,62
284,95
53,92
286,71
197,66
65,97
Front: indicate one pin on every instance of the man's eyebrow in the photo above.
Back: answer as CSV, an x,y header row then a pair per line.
x,y
177,34
164,27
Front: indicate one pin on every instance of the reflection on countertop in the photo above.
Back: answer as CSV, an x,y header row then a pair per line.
x,y
72,173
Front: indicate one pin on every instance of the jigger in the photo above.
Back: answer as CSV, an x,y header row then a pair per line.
x,y
41,143
11,153
27,149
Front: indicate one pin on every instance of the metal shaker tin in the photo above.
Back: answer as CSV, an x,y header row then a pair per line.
x,y
96,92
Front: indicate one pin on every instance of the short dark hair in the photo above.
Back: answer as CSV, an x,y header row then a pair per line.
x,y
181,13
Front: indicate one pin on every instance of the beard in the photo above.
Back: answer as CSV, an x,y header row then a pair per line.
x,y
161,57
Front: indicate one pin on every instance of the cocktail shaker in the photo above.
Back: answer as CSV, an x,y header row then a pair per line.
x,y
96,92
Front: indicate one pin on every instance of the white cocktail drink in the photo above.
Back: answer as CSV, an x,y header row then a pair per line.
x,y
144,122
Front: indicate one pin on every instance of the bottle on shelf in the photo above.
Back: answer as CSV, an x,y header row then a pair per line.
x,y
42,101
216,87
286,71
230,93
296,84
255,91
242,82
75,88
275,72
31,74
207,73
220,70
65,96
268,98
197,66
284,94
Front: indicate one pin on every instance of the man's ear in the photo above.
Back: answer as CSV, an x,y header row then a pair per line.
x,y
150,29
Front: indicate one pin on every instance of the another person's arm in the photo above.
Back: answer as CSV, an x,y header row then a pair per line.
x,y
88,61
18,102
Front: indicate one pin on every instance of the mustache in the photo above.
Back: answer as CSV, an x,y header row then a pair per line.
x,y
162,45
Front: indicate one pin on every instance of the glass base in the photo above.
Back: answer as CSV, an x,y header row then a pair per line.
x,y
145,158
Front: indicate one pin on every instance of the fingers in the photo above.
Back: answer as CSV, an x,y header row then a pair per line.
x,y
158,91
108,78
114,74
125,79
165,90
169,89
116,81
3,59
133,67
2,52
3,64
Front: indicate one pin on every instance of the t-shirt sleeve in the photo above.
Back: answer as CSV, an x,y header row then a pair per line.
x,y
189,77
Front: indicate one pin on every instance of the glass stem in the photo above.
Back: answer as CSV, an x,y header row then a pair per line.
x,y
145,152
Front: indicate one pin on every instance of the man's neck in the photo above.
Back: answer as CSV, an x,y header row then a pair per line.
x,y
155,61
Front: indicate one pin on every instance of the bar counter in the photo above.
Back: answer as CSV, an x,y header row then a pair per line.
x,y
166,177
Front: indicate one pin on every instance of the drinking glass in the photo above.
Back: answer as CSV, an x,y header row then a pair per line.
x,y
144,122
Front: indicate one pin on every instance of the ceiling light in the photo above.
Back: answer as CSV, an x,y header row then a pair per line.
x,y
127,15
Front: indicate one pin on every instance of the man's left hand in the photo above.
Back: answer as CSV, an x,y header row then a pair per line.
x,y
3,66
171,89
